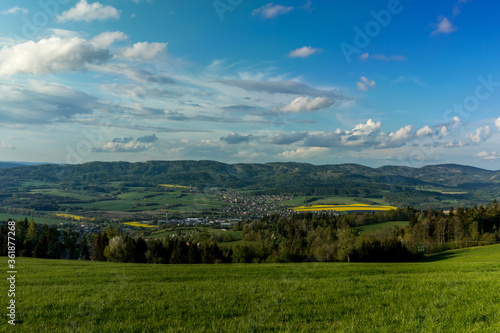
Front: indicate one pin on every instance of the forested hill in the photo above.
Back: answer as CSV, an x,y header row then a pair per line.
x,y
467,183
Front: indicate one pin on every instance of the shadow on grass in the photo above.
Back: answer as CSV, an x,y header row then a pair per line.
x,y
444,256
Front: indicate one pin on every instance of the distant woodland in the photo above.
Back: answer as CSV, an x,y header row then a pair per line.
x,y
321,237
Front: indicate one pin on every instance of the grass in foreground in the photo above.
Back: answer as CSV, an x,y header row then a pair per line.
x,y
457,294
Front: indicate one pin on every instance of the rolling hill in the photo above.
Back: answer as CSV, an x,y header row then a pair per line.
x,y
438,185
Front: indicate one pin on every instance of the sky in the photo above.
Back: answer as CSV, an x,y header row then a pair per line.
x,y
323,82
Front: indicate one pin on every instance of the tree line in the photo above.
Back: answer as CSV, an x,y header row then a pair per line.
x,y
300,237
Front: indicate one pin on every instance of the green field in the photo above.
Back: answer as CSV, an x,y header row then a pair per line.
x,y
379,226
343,208
456,291
41,220
328,200
187,230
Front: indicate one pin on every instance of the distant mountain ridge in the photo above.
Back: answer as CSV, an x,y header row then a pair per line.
x,y
8,164
397,184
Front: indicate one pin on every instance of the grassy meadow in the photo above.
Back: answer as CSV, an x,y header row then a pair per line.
x,y
371,228
455,291
42,220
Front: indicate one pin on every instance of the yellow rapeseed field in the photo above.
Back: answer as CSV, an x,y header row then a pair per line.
x,y
139,224
74,217
342,208
174,186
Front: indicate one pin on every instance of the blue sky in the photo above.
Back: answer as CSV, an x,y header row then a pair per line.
x,y
324,82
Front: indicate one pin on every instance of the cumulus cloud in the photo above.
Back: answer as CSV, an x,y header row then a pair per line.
x,y
271,10
444,26
128,145
364,135
235,138
364,56
398,138
443,132
481,134
365,84
488,156
16,10
51,56
497,123
304,103
302,153
365,129
324,139
361,134
303,52
83,11
107,38
424,131
144,50
287,139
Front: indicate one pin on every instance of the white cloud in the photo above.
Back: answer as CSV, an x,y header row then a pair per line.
x,y
271,10
128,145
488,156
303,153
144,50
424,131
383,57
16,10
7,146
366,129
402,134
41,102
50,56
444,26
481,134
361,134
364,56
497,123
303,52
83,11
443,132
107,38
304,103
365,84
